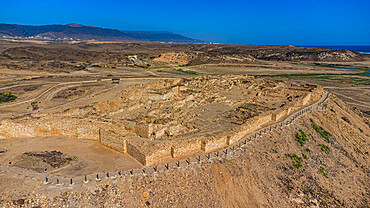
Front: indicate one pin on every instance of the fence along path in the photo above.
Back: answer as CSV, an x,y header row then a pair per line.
x,y
227,153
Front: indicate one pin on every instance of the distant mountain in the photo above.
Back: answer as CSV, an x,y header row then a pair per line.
x,y
82,32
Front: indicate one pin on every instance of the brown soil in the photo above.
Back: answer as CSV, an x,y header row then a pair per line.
x,y
75,57
264,175
35,160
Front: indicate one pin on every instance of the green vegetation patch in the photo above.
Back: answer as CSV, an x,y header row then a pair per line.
x,y
297,159
344,78
337,104
6,97
310,135
308,150
301,138
322,170
304,156
321,131
324,148
187,71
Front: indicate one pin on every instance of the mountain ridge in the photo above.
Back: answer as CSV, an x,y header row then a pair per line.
x,y
76,31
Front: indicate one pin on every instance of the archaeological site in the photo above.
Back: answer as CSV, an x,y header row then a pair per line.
x,y
122,124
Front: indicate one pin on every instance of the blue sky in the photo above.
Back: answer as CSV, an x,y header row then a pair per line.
x,y
263,22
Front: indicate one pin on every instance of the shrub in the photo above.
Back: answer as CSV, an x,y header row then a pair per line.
x,y
297,159
323,172
6,97
337,104
301,138
310,135
321,131
324,148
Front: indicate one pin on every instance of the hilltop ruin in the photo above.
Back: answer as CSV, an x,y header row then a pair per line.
x,y
175,118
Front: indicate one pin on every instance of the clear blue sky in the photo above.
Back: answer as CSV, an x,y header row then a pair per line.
x,y
264,22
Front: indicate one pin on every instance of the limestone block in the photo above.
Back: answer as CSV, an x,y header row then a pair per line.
x,y
148,152
186,147
176,90
135,153
43,129
139,129
289,111
113,140
213,143
251,126
66,128
12,129
306,99
276,116
158,154
89,132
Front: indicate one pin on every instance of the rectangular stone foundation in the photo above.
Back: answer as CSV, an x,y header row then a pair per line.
x,y
148,152
252,125
186,147
112,140
278,115
88,132
135,153
213,143
160,153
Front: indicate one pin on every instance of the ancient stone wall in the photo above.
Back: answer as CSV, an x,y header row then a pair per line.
x,y
212,143
88,132
148,152
113,140
136,153
306,99
171,133
254,124
186,147
276,116
159,153
14,129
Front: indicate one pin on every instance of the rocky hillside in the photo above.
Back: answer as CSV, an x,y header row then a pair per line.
x,y
319,161
69,57
249,54
81,32
184,54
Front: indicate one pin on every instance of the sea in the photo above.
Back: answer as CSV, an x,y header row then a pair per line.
x,y
355,48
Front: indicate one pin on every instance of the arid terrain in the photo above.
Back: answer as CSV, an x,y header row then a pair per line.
x,y
109,124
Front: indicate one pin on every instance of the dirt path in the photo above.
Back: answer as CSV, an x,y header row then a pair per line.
x,y
48,92
350,100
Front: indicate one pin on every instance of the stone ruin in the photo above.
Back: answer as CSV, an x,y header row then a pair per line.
x,y
175,118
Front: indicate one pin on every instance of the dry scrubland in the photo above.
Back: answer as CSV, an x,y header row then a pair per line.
x,y
69,120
